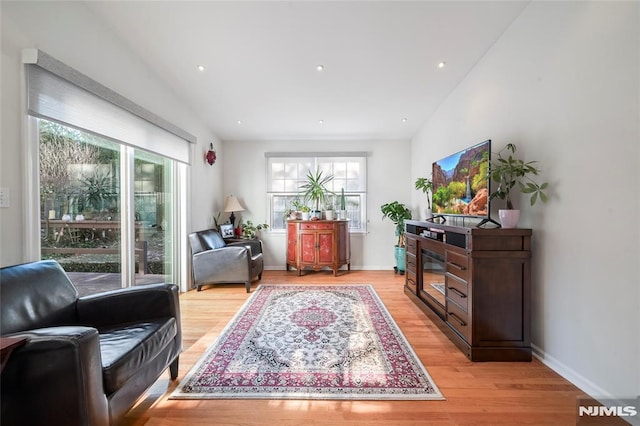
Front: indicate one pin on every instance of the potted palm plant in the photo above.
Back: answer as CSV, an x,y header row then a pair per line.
x,y
315,190
426,186
508,172
397,213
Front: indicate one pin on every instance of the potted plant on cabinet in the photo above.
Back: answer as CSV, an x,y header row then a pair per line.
x,y
397,213
315,190
296,209
328,210
508,172
343,206
426,186
304,212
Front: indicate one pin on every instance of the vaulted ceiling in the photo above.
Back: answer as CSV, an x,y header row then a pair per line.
x,y
304,70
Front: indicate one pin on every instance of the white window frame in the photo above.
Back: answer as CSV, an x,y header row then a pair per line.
x,y
349,170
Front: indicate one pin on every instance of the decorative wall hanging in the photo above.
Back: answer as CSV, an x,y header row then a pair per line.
x,y
210,156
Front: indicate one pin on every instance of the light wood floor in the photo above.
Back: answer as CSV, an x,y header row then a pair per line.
x,y
476,393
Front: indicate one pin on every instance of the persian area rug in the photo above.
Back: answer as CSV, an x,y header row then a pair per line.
x,y
310,342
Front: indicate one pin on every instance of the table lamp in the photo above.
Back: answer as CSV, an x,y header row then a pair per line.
x,y
232,205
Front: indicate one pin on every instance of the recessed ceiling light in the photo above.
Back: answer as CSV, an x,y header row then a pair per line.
x,y
239,121
405,119
320,67
200,67
320,121
442,64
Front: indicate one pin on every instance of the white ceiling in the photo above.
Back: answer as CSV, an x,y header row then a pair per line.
x,y
380,61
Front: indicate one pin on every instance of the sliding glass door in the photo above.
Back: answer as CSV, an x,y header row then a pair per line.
x,y
106,209
154,219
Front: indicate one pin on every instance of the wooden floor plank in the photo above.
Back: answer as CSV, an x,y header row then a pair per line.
x,y
476,393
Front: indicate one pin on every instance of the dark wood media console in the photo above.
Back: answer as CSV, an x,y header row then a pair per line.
x,y
474,283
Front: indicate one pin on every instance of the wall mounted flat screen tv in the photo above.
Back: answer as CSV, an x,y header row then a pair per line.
x,y
460,183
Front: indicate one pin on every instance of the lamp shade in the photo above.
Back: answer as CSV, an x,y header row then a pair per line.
x,y
233,205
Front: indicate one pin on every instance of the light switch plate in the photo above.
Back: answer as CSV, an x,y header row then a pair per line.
x,y
4,197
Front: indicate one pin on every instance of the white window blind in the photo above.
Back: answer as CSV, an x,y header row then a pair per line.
x,y
59,93
286,171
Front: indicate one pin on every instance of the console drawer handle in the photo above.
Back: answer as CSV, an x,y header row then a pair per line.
x,y
459,267
455,317
457,292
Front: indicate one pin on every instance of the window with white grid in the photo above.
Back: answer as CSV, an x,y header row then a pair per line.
x,y
287,171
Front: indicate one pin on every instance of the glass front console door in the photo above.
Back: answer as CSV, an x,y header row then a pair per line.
x,y
432,290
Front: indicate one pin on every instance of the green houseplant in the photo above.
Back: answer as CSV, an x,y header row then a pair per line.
x,y
397,213
328,208
295,209
304,212
426,186
249,229
315,189
510,172
342,214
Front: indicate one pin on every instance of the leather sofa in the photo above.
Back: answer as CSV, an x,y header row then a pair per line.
x,y
88,359
213,260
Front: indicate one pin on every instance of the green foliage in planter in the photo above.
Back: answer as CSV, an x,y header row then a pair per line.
x,y
425,185
315,188
299,206
397,213
509,172
249,229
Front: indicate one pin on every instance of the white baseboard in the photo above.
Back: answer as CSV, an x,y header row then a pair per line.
x,y
586,385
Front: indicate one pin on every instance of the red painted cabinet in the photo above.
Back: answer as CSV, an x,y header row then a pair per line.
x,y
318,244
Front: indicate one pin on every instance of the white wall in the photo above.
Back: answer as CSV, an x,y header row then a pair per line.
x,y
562,83
388,180
76,38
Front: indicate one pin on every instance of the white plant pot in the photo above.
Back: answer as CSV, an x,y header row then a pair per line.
x,y
428,214
509,218
328,214
305,215
342,214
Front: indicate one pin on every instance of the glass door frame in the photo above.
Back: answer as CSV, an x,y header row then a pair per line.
x,y
32,246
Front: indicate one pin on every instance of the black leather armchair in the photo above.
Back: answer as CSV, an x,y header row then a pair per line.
x,y
86,359
214,261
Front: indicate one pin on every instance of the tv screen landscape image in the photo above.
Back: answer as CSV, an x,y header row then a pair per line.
x,y
461,184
